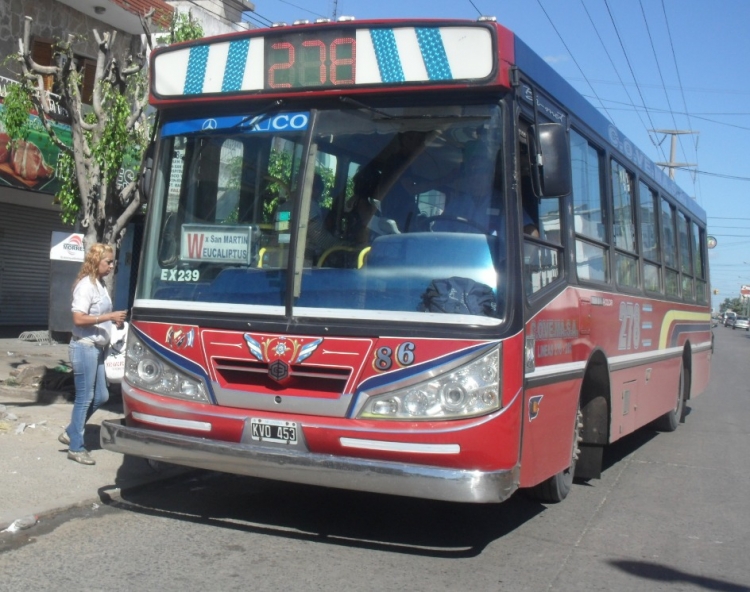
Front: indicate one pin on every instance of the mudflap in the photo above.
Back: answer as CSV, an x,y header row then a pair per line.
x,y
589,463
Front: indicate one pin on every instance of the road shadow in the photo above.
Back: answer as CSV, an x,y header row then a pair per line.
x,y
656,572
55,387
340,517
52,385
332,516
56,383
626,446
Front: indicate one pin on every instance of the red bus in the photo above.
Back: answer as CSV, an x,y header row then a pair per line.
x,y
403,257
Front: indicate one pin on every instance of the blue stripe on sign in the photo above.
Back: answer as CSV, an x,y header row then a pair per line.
x,y
386,52
433,54
235,68
196,70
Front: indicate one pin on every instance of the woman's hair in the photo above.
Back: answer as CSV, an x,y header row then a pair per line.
x,y
90,267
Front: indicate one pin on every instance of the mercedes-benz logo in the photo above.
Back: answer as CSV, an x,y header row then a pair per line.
x,y
278,371
209,124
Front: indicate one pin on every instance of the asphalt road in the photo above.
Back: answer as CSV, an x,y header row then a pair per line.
x,y
672,512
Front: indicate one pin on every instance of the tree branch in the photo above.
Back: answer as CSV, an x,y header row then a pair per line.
x,y
26,53
100,76
128,212
146,25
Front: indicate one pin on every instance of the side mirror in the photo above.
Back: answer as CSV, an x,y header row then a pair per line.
x,y
551,160
147,167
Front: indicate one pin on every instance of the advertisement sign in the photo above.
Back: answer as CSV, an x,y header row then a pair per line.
x,y
745,292
32,162
67,246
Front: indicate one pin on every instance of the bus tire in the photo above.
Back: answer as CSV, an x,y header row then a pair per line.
x,y
556,488
670,420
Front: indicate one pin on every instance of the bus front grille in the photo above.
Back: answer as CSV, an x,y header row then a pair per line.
x,y
302,380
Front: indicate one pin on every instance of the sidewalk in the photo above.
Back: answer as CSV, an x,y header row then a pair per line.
x,y
35,475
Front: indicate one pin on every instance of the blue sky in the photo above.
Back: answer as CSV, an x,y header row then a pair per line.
x,y
646,64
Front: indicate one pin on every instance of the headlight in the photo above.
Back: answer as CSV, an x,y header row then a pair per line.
x,y
149,372
472,389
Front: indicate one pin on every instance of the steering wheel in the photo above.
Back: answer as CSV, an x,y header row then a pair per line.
x,y
450,218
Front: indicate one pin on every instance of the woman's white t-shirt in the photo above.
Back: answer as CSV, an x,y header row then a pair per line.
x,y
92,299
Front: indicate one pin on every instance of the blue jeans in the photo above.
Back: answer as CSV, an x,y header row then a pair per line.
x,y
91,388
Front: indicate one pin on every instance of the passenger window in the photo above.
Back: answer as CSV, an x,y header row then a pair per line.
x,y
588,211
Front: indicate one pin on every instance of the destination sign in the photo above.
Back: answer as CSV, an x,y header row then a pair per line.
x,y
325,57
221,244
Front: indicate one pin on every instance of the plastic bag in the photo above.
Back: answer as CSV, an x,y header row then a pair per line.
x,y
459,296
114,362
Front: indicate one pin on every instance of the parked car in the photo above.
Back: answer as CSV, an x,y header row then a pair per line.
x,y
741,323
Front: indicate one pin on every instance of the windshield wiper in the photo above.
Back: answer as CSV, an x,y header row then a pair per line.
x,y
350,101
250,120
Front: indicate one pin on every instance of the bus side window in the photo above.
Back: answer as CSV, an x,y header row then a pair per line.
x,y
549,220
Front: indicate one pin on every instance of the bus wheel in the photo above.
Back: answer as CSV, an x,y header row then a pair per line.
x,y
670,420
556,488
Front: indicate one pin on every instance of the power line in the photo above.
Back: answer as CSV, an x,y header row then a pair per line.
x,y
736,243
735,177
727,113
657,110
682,92
693,89
632,73
257,20
551,22
302,8
676,133
611,61
661,76
677,70
221,17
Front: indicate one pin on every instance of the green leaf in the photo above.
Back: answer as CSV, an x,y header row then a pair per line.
x,y
15,115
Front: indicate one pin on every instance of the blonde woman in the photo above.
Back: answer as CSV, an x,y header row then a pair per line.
x,y
92,323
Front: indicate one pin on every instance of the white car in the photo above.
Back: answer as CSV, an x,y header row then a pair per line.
x,y
741,323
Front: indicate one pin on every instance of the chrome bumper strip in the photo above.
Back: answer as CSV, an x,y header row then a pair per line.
x,y
283,464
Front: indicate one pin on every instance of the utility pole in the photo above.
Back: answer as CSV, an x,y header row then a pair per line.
x,y
335,8
672,165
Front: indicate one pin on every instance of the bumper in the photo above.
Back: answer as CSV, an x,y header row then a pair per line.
x,y
282,464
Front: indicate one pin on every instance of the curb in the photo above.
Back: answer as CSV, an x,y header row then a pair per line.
x,y
28,406
104,496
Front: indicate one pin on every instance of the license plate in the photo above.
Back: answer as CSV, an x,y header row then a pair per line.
x,y
273,430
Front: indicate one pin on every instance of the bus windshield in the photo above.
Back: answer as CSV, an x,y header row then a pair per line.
x,y
361,212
